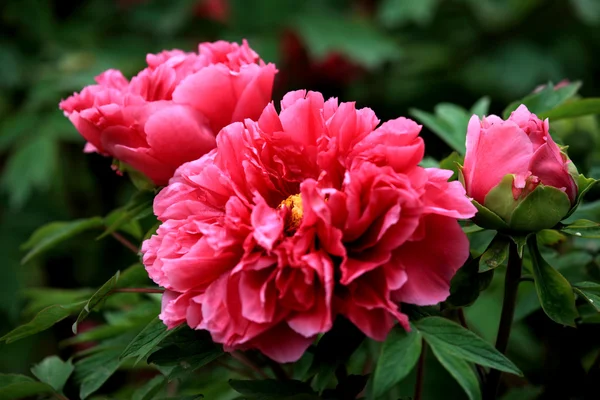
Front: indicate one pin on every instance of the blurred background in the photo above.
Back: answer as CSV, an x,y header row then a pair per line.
x,y
389,55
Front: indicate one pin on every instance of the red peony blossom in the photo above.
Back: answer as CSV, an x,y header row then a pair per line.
x,y
171,111
302,216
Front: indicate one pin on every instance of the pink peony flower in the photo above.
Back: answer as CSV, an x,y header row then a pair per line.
x,y
302,216
171,111
515,157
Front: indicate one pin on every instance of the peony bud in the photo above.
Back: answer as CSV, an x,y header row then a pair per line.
x,y
518,178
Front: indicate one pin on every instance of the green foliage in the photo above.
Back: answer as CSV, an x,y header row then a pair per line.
x,y
583,228
324,33
54,233
573,109
96,298
184,352
453,339
546,99
590,291
139,206
14,386
398,357
93,371
405,54
495,255
53,371
460,370
396,13
42,321
144,343
269,389
150,389
450,121
554,291
467,284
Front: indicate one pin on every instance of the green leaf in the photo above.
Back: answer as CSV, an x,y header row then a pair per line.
x,y
467,284
54,233
42,321
469,227
541,209
451,163
554,291
40,298
333,349
589,291
93,371
135,275
545,100
573,109
460,370
96,299
444,128
429,162
150,389
399,355
131,227
270,389
481,107
395,13
328,33
53,371
31,166
185,351
139,206
550,237
583,228
14,386
495,255
147,340
452,338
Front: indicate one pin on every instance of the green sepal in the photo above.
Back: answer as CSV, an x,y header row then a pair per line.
x,y
500,198
583,186
541,209
487,218
521,242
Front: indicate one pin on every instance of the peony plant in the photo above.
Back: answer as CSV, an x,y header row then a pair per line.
x,y
291,241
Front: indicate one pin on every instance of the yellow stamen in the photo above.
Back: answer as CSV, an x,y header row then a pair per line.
x,y
294,218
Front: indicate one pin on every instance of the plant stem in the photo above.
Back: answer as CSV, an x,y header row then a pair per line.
x,y
420,372
463,322
511,285
125,242
60,396
137,290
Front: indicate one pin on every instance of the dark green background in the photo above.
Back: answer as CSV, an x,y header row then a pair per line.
x,y
389,55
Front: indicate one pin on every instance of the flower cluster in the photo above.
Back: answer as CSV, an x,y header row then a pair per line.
x,y
172,110
299,216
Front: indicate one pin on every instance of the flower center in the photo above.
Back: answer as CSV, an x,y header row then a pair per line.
x,y
294,218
